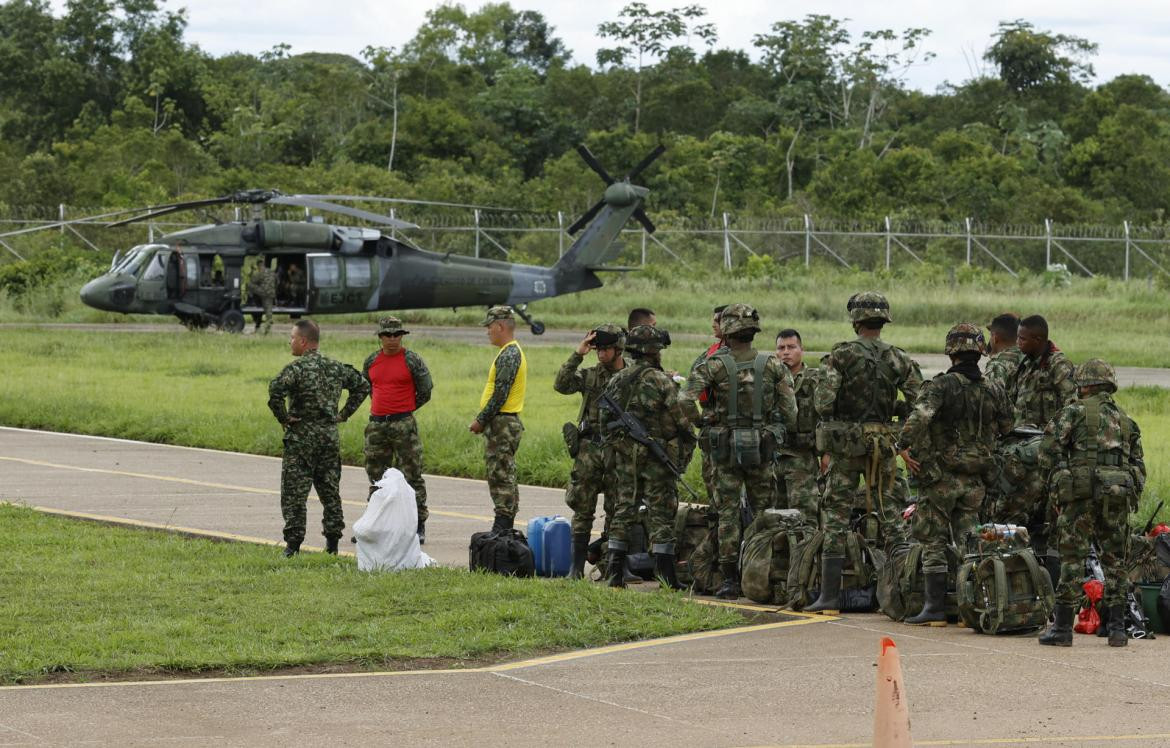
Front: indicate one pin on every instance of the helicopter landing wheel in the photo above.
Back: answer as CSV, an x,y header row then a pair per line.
x,y
537,328
232,321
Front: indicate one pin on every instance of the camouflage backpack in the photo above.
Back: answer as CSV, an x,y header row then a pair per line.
x,y
696,547
767,547
1001,588
901,586
858,580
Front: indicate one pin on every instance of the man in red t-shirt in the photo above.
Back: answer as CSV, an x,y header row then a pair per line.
x,y
400,384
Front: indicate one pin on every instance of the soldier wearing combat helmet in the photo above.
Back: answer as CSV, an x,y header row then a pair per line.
x,y
750,408
591,462
949,443
1100,473
650,396
856,398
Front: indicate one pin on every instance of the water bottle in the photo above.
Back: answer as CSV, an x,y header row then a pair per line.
x,y
992,532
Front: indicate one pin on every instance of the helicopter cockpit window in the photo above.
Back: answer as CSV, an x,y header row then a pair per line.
x,y
133,260
325,272
157,267
357,272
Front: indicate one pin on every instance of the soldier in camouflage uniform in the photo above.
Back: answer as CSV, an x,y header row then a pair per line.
x,y
1004,356
400,384
650,395
499,415
856,398
952,430
1100,473
591,463
1043,385
312,385
797,466
262,283
708,468
750,409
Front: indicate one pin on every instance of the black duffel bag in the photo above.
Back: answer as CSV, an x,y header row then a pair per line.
x,y
503,552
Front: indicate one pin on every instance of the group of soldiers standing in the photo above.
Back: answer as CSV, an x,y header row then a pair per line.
x,y
773,433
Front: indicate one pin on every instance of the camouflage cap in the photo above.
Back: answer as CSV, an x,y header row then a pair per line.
x,y
1095,371
391,326
609,336
497,313
964,336
868,305
739,318
647,339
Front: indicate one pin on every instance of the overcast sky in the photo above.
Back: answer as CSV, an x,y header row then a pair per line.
x,y
1133,35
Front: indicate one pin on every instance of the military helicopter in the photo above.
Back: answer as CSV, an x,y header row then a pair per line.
x,y
196,274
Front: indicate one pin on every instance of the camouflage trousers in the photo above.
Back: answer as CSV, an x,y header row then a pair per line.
x,y
639,476
947,509
1079,524
266,302
758,482
708,473
308,464
590,476
501,440
841,496
796,483
395,444
1024,503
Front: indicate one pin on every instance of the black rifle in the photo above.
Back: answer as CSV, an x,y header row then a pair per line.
x,y
1150,522
636,431
1138,625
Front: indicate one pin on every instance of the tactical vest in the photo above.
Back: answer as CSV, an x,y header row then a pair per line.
x,y
1098,473
806,414
868,388
963,430
744,437
656,420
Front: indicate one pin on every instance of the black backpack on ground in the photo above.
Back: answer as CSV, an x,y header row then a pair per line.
x,y
503,552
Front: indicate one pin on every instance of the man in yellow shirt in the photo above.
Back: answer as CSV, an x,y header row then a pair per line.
x,y
499,415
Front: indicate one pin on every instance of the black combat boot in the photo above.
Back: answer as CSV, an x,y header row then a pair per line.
x,y
729,590
1117,634
934,608
331,545
502,522
291,549
829,601
666,571
580,549
1060,633
422,531
616,568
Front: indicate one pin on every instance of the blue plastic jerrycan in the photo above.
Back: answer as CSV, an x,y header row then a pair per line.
x,y
556,547
536,542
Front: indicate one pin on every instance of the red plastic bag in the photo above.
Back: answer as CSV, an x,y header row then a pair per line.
x,y
1088,620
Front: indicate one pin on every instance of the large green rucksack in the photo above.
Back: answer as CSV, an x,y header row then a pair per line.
x,y
697,548
767,546
901,585
858,580
1001,588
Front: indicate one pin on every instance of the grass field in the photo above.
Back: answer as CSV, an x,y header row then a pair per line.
x,y
1089,317
82,601
210,390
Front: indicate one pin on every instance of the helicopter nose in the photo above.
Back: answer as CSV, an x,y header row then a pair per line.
x,y
107,294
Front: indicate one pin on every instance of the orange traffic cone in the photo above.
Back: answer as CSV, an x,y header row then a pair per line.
x,y
891,714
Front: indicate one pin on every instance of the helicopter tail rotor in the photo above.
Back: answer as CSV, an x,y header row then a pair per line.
x,y
639,214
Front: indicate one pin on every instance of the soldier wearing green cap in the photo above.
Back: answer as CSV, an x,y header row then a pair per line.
x,y
1100,473
949,443
856,398
592,464
400,384
750,407
499,414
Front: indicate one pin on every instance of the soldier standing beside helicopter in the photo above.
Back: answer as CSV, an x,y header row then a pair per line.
x,y
400,384
262,282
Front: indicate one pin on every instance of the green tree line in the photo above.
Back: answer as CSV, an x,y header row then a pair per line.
x,y
107,104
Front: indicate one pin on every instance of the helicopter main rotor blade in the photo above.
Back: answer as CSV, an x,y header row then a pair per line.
x,y
641,217
594,164
344,210
581,222
408,201
654,154
70,222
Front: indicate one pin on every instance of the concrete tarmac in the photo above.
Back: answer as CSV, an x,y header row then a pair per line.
x,y
803,682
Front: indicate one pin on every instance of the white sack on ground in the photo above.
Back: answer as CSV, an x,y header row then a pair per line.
x,y
387,538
